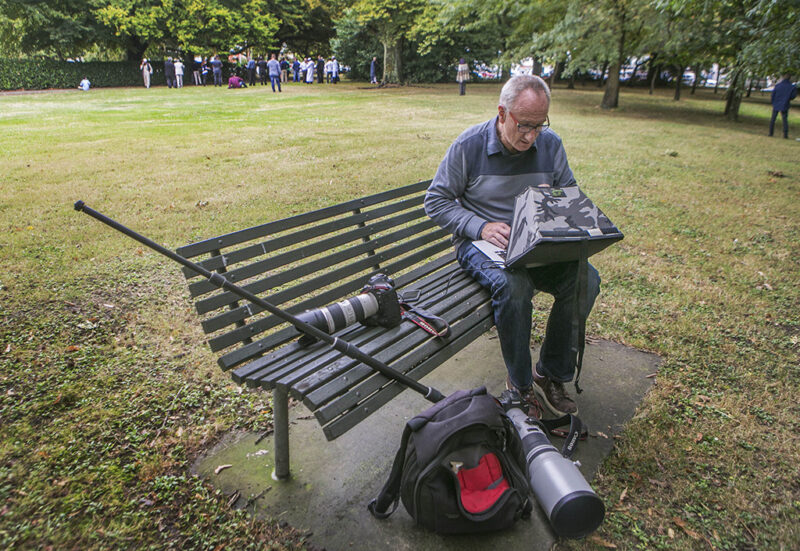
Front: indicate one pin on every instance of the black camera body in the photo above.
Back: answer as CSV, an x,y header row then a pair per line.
x,y
376,305
389,314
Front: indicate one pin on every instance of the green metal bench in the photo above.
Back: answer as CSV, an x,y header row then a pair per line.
x,y
317,258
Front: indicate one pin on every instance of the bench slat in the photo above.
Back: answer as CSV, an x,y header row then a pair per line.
x,y
242,236
305,235
319,265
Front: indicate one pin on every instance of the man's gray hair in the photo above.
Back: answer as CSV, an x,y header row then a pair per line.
x,y
516,85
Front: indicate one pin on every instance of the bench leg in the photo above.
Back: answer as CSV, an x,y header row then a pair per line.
x,y
280,419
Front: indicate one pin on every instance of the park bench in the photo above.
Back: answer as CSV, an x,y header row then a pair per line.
x,y
318,258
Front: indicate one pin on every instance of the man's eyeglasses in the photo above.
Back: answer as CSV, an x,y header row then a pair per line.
x,y
527,128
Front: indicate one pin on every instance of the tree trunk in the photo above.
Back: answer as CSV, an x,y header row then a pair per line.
x,y
733,97
391,61
611,96
696,78
603,75
537,67
652,72
571,85
678,82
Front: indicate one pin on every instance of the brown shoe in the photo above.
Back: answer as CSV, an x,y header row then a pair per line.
x,y
554,396
534,407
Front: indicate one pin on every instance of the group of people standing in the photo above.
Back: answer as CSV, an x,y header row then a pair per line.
x,y
324,70
276,71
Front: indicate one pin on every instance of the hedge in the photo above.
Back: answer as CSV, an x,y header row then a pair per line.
x,y
41,74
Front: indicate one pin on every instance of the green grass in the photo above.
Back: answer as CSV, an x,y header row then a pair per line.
x,y
107,392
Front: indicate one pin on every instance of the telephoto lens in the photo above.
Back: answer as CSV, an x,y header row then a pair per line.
x,y
335,317
573,508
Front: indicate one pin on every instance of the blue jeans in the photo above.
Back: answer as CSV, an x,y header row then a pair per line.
x,y
273,80
512,291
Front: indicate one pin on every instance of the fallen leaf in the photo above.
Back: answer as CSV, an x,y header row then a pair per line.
x,y
698,438
623,495
222,468
73,348
107,305
597,540
8,348
682,525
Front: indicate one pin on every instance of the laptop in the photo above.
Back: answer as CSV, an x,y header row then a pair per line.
x,y
552,225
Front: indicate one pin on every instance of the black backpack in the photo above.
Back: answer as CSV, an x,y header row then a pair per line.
x,y
460,468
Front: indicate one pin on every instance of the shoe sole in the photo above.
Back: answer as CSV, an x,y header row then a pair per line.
x,y
554,410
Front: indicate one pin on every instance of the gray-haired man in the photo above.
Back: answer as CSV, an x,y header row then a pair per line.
x,y
472,196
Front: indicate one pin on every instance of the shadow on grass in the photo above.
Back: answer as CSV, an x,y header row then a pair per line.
x,y
704,108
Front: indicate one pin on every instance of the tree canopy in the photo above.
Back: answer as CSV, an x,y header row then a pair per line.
x,y
422,39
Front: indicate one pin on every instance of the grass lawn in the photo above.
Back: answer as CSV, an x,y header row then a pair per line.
x,y
107,391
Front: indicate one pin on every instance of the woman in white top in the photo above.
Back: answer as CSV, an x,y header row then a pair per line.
x,y
179,72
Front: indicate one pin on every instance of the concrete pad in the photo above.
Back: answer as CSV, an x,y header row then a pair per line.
x,y
332,482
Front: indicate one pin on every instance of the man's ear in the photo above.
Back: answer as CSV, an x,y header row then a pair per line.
x,y
501,113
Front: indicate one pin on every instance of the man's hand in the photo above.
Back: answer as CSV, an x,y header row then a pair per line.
x,y
496,233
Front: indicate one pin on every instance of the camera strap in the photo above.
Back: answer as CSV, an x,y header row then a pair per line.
x,y
430,323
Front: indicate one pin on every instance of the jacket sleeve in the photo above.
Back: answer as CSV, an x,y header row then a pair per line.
x,y
442,199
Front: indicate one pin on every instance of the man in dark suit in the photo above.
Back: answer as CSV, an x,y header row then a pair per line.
x,y
169,73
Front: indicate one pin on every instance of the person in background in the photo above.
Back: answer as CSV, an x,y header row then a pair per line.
x,y
335,70
783,92
462,76
169,72
216,67
85,84
204,70
146,70
373,70
320,69
284,70
274,69
262,70
251,71
296,70
178,73
236,82
196,69
309,71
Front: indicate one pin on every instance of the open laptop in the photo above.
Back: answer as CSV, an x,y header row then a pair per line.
x,y
552,225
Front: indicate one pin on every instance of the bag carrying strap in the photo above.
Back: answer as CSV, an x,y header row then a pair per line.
x,y
580,311
389,496
430,323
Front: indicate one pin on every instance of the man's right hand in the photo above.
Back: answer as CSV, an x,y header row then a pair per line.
x,y
496,233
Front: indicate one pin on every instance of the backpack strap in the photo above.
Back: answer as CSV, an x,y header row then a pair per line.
x,y
389,496
581,311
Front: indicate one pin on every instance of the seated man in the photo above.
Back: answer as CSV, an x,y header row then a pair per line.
x,y
236,82
472,196
85,84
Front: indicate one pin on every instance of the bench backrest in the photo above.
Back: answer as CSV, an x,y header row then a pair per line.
x,y
307,261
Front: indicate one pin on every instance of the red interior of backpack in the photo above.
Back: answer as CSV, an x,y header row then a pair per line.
x,y
483,485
